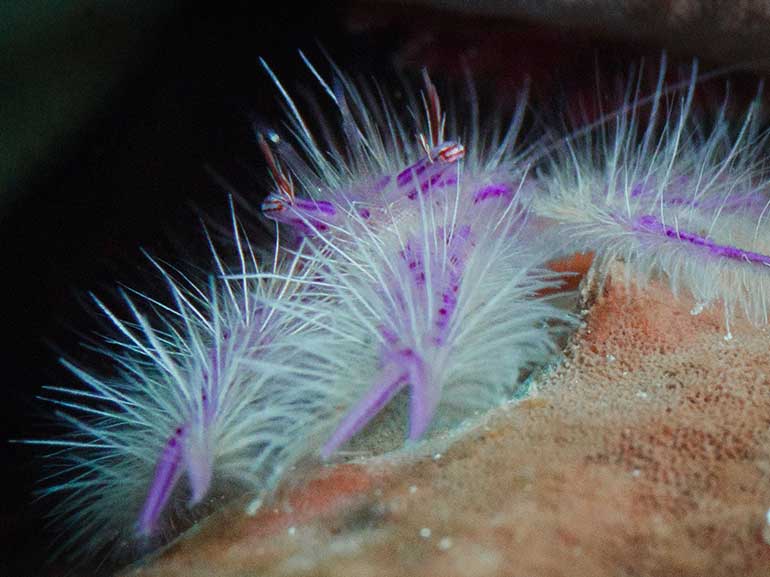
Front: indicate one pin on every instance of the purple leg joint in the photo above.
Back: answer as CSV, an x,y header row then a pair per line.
x,y
167,473
649,223
392,379
492,191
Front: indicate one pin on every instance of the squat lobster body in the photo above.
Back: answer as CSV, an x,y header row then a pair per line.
x,y
433,288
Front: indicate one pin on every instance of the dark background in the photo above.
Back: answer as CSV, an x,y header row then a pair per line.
x,y
125,173
109,118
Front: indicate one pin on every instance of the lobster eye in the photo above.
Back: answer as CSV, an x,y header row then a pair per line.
x,y
451,152
272,204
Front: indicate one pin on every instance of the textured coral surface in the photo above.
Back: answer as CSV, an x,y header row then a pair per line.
x,y
646,452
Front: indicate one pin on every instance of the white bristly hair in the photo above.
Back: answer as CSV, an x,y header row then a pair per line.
x,y
435,282
655,188
443,300
200,397
404,263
